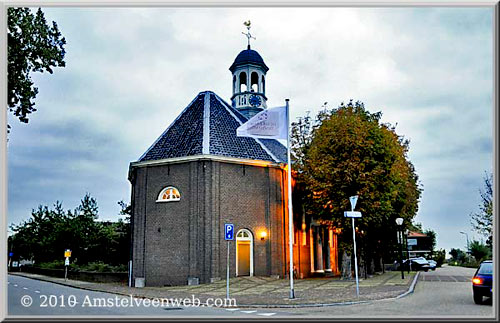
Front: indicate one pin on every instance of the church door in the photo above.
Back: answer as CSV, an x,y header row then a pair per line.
x,y
244,253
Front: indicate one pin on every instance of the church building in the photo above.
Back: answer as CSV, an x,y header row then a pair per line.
x,y
198,175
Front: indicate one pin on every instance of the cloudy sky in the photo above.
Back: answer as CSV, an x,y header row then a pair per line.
x,y
130,72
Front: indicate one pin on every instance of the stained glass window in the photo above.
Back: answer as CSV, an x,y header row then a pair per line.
x,y
169,194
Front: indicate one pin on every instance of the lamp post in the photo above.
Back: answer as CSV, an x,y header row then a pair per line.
x,y
399,222
407,232
466,236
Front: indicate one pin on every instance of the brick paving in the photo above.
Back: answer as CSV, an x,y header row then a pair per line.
x,y
446,278
449,274
264,291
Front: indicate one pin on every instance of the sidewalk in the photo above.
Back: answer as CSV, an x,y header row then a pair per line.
x,y
265,291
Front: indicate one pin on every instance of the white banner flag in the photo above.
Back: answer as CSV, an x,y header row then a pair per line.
x,y
269,124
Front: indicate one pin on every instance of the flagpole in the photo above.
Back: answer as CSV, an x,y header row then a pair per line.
x,y
290,210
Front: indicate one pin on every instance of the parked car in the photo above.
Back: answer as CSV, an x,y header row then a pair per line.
x,y
482,282
418,263
432,263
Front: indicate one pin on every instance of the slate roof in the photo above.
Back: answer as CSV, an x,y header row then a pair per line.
x,y
207,126
248,56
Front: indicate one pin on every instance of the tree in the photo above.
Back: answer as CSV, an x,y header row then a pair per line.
x,y
457,255
440,257
348,151
126,210
86,229
416,227
431,240
33,46
50,231
479,251
40,238
482,221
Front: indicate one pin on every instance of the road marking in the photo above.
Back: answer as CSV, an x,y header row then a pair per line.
x,y
248,312
37,291
15,285
25,288
266,314
232,309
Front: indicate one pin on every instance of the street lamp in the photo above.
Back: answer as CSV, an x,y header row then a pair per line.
x,y
407,232
399,222
467,236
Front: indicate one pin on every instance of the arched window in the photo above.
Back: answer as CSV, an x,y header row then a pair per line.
x,y
234,83
243,82
244,234
263,85
254,84
169,194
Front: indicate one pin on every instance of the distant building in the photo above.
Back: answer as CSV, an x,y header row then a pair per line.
x,y
419,244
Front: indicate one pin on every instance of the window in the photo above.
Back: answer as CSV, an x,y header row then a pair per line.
x,y
254,82
243,82
244,234
169,194
486,268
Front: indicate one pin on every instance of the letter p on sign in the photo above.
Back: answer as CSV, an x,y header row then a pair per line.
x,y
228,231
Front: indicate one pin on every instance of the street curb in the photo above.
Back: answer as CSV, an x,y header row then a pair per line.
x,y
409,291
412,286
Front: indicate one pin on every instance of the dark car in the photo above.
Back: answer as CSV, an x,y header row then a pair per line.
x,y
418,263
482,281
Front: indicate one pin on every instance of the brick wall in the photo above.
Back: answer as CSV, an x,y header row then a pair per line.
x,y
176,240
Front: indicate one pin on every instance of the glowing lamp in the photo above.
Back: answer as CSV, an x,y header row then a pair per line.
x,y
263,235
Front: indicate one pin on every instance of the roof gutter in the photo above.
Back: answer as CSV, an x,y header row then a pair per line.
x,y
232,160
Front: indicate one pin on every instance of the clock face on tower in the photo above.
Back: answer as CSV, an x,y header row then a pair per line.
x,y
255,100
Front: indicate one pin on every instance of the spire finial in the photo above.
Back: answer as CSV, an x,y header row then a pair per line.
x,y
247,24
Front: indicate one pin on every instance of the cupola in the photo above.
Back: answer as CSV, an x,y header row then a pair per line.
x,y
249,80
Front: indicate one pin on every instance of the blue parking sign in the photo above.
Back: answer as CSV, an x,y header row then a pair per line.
x,y
228,231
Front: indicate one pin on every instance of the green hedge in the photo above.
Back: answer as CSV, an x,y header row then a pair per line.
x,y
99,267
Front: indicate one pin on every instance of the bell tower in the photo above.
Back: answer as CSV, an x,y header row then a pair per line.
x,y
249,80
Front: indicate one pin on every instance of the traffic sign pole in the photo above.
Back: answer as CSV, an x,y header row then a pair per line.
x,y
66,269
352,214
67,254
228,236
355,258
227,271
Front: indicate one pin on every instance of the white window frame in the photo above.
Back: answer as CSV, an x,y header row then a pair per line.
x,y
173,199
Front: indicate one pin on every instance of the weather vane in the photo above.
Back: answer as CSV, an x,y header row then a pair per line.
x,y
247,24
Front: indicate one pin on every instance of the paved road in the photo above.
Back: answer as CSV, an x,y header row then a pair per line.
x,y
445,292
21,289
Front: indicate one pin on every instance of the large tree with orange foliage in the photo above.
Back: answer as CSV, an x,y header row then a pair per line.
x,y
348,151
